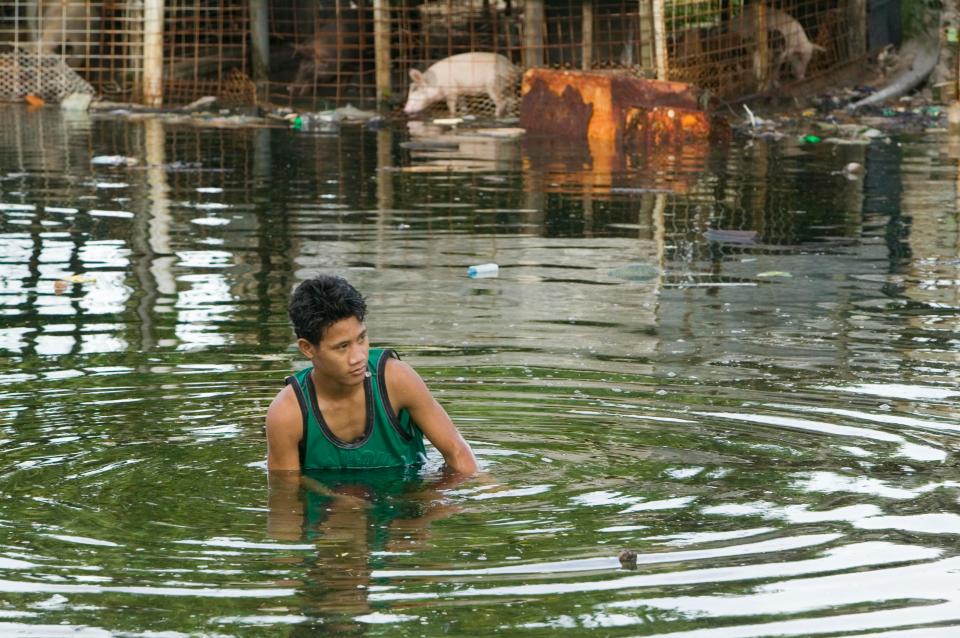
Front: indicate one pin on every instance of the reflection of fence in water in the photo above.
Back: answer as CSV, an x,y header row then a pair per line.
x,y
324,53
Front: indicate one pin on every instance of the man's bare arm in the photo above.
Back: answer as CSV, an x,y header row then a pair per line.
x,y
407,390
284,430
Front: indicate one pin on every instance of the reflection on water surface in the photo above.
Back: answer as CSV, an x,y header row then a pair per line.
x,y
731,360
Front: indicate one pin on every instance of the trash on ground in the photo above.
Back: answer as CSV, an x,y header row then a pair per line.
x,y
774,273
481,271
350,113
205,103
851,171
76,102
79,279
114,160
635,272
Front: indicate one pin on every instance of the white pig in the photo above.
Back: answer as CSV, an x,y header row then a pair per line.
x,y
476,73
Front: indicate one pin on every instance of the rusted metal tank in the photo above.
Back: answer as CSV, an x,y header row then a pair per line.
x,y
613,108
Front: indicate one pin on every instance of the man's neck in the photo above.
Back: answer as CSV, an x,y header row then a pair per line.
x,y
333,390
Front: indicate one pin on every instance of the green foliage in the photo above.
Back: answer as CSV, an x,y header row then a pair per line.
x,y
919,16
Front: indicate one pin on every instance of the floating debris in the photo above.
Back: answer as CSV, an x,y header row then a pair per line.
x,y
76,102
635,272
114,160
627,558
851,171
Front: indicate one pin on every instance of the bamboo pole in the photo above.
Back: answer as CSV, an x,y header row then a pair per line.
x,y
260,45
587,34
381,43
132,20
533,19
761,61
153,53
857,19
660,38
645,35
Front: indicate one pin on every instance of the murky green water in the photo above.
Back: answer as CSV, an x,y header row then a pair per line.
x,y
731,360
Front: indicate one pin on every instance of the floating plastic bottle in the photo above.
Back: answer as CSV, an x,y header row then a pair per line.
x,y
483,270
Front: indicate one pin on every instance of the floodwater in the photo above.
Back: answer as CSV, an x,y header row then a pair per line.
x,y
732,360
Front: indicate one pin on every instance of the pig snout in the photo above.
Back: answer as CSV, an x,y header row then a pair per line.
x,y
421,97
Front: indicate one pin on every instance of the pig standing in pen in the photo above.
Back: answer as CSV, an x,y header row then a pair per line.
x,y
62,25
335,50
477,73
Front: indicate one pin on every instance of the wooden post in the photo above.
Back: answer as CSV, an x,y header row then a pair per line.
x,y
533,19
761,60
381,44
646,35
153,53
586,29
857,19
133,16
660,38
260,46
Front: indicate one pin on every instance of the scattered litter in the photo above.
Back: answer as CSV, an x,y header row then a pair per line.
x,y
76,102
851,171
774,273
210,221
114,160
79,279
350,113
54,602
205,103
448,121
481,271
810,139
635,272
34,100
841,141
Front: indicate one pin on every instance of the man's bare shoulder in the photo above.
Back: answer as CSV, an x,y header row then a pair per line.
x,y
284,431
283,415
404,385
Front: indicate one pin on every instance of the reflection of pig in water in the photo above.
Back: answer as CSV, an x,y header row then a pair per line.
x,y
64,25
476,73
333,51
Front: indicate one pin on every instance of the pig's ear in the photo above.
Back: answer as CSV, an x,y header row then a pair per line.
x,y
416,76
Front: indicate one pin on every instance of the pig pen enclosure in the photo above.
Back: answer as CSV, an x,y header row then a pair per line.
x,y
316,54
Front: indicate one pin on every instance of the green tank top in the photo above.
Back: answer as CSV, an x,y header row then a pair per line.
x,y
389,439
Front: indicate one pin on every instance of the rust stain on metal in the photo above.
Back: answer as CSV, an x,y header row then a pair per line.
x,y
611,108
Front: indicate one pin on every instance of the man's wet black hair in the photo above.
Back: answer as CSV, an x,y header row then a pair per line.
x,y
320,302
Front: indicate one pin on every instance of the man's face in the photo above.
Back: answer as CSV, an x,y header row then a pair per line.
x,y
341,355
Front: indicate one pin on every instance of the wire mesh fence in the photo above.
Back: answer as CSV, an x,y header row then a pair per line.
x,y
101,42
325,52
732,48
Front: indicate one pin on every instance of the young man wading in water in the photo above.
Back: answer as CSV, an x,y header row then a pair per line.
x,y
355,407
